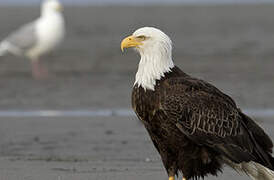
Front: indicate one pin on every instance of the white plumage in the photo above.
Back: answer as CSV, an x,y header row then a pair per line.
x,y
156,57
38,37
256,171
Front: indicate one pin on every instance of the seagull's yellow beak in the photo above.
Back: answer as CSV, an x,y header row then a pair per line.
x,y
130,41
60,8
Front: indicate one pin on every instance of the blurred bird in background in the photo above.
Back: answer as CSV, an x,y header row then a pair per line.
x,y
38,37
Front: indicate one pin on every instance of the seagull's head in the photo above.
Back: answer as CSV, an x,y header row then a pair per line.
x,y
148,40
52,6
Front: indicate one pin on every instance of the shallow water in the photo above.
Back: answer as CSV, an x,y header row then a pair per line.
x,y
258,113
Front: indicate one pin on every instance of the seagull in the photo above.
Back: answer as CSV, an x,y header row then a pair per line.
x,y
38,37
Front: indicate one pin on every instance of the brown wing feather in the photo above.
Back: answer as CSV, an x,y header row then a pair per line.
x,y
210,118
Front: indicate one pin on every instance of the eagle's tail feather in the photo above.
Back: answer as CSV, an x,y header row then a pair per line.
x,y
257,171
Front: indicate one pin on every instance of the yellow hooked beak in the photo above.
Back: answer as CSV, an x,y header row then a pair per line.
x,y
130,41
60,8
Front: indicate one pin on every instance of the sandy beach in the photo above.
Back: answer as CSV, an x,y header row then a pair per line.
x,y
230,46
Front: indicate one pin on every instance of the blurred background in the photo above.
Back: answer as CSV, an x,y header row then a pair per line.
x,y
77,124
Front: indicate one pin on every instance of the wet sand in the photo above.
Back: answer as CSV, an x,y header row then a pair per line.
x,y
229,46
80,148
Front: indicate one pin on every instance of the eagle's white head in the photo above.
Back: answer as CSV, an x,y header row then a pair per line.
x,y
155,48
51,6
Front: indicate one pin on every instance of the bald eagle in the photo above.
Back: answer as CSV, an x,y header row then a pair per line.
x,y
195,127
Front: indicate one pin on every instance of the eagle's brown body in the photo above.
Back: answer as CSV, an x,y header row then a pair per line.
x,y
196,128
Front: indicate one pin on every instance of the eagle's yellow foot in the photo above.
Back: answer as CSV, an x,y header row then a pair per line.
x,y
171,178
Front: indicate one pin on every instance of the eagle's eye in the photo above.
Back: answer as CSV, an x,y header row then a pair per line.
x,y
142,38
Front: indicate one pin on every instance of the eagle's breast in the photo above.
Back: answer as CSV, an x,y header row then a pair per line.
x,y
144,102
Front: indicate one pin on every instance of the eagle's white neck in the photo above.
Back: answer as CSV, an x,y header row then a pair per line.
x,y
152,66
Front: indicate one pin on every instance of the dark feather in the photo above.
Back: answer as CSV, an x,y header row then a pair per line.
x,y
194,126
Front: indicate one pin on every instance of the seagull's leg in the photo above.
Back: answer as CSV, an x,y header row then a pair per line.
x,y
44,70
38,70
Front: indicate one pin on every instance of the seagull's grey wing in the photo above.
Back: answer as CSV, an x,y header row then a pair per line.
x,y
24,38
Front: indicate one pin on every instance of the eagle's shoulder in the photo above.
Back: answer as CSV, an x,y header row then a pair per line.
x,y
199,106
185,86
